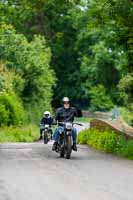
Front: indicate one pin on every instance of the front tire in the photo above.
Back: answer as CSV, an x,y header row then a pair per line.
x,y
45,138
62,154
68,156
69,147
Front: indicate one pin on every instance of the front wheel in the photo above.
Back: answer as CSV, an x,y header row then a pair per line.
x,y
69,147
45,138
68,156
62,154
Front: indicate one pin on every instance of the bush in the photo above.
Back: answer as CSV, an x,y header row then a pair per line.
x,y
107,141
83,137
4,115
127,115
19,134
128,150
99,99
33,79
11,110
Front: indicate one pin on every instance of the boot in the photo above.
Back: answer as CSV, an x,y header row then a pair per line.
x,y
74,147
54,146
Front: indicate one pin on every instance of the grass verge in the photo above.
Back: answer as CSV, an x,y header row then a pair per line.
x,y
83,119
28,133
108,142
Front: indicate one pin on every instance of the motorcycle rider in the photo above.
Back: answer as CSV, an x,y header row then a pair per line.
x,y
65,114
46,120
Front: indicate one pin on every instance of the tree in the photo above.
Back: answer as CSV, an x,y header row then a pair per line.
x,y
52,19
104,44
30,61
91,41
125,87
99,99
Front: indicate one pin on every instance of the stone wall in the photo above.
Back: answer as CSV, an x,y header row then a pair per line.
x,y
113,125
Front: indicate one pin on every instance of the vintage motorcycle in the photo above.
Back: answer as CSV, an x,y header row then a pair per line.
x,y
46,133
65,142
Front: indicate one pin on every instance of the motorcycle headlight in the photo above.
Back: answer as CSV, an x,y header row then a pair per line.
x,y
46,126
68,126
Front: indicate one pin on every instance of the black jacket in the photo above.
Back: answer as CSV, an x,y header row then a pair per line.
x,y
67,115
45,121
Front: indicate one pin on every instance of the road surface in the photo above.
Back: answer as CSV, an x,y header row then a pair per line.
x,y
33,172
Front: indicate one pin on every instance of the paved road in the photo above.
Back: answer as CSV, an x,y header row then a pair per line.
x,y
33,172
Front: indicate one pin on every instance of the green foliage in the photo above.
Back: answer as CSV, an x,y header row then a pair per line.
x,y
128,150
4,115
83,137
91,44
35,19
83,119
28,133
9,80
99,99
11,110
32,78
103,51
125,87
127,115
107,141
91,53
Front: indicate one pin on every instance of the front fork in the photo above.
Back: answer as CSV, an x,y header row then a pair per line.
x,y
63,140
67,135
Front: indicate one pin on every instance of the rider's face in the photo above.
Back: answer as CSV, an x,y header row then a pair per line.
x,y
66,105
46,116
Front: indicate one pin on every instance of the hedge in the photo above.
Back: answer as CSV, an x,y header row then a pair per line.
x,y
11,109
107,141
28,133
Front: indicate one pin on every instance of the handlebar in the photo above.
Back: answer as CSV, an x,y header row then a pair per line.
x,y
63,123
78,124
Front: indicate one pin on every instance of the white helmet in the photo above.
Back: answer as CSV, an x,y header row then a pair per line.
x,y
66,99
47,113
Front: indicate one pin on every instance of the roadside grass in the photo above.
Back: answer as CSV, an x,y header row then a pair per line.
x,y
83,119
27,133
108,142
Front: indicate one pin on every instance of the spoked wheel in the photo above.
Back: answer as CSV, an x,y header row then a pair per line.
x,y
62,152
49,136
69,147
68,156
45,138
